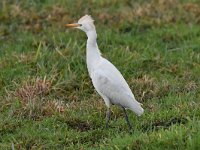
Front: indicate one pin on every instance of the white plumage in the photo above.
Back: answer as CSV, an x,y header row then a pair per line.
x,y
106,78
111,85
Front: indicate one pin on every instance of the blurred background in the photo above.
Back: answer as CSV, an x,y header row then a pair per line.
x,y
47,99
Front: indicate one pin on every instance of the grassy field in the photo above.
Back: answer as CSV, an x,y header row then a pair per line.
x,y
47,100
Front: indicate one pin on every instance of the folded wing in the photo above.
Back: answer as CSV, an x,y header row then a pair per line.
x,y
109,82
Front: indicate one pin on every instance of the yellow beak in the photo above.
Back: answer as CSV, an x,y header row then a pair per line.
x,y
72,25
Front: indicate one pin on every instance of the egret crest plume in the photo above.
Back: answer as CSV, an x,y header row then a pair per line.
x,y
86,18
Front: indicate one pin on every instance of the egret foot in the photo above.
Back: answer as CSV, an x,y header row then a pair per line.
x,y
107,117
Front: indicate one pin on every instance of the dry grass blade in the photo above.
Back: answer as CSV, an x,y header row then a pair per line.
x,y
31,90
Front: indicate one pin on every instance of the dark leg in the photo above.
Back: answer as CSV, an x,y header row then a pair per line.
x,y
126,118
107,117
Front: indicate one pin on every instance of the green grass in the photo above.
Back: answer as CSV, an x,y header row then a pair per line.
x,y
47,100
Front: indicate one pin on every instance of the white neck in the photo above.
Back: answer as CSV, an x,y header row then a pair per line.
x,y
93,54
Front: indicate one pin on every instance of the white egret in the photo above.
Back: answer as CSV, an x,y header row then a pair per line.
x,y
106,78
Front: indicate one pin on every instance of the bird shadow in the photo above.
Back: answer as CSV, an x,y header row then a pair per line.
x,y
163,124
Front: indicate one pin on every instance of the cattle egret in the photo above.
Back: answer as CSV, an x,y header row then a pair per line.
x,y
106,78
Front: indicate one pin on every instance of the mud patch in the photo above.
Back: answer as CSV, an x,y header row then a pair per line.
x,y
79,125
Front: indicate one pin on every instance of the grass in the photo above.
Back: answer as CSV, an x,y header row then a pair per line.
x,y
46,97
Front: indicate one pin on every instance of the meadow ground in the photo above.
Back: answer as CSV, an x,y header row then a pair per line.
x,y
47,100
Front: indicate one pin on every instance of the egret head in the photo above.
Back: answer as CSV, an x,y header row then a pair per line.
x,y
85,23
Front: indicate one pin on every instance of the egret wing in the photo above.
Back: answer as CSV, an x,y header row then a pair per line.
x,y
108,81
111,85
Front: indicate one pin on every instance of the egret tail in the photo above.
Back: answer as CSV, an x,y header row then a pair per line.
x,y
137,108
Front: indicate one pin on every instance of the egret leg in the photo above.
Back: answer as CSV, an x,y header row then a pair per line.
x,y
107,117
126,118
